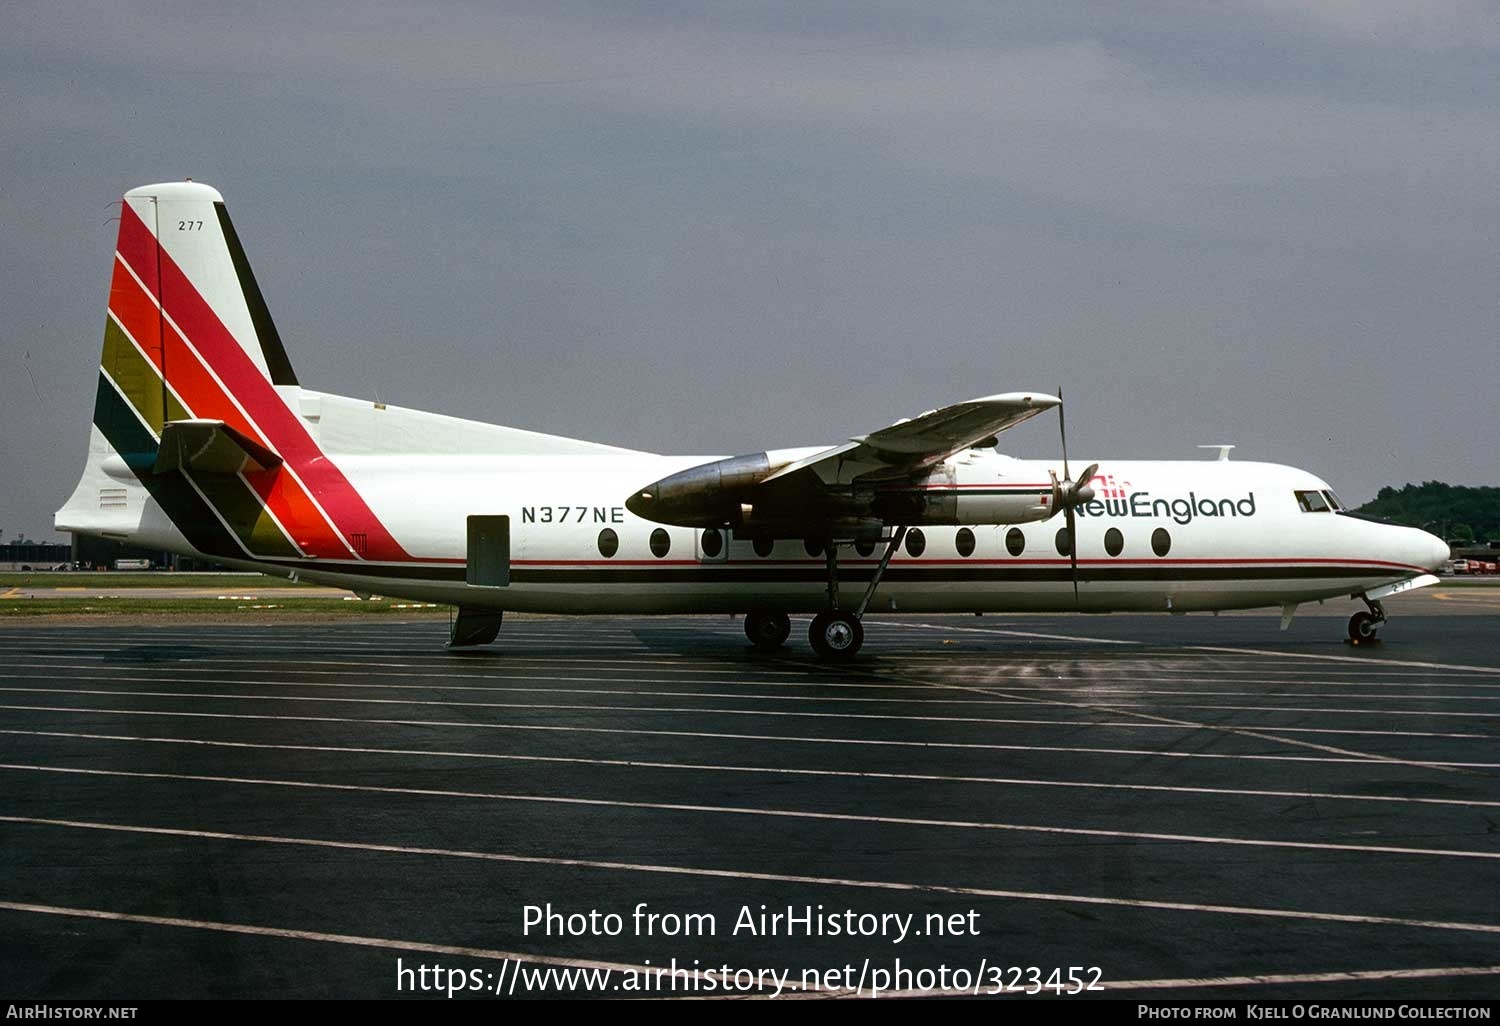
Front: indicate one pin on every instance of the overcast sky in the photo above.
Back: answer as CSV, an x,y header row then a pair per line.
x,y
722,227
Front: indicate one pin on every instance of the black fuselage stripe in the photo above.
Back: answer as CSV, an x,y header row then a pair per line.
x,y
860,574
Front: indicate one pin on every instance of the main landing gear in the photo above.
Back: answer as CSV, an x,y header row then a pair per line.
x,y
837,634
768,631
1363,626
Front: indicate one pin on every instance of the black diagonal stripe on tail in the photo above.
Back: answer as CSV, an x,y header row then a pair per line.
x,y
260,316
185,507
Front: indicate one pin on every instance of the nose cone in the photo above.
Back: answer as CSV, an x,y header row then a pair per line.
x,y
1440,552
1437,553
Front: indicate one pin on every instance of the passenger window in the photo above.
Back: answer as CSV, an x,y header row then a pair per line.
x,y
1311,502
964,542
1064,542
865,547
916,542
609,542
763,544
812,547
1161,541
661,543
1015,541
1114,541
712,542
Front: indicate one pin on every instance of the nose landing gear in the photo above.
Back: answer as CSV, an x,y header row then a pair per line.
x,y
1363,626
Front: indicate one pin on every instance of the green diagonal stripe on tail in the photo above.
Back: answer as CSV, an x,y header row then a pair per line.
x,y
229,494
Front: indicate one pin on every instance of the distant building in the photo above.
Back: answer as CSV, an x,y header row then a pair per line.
x,y
35,555
95,553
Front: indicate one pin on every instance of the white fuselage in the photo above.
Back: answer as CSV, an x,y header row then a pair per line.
x,y
1235,537
204,443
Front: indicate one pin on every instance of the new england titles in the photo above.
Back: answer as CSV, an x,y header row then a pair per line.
x,y
1180,510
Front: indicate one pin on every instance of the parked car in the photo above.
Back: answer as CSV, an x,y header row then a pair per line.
x,y
1460,566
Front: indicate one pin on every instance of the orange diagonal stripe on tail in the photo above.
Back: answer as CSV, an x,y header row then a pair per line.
x,y
202,396
274,423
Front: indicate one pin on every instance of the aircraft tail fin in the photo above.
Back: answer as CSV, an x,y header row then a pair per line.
x,y
203,438
184,309
195,405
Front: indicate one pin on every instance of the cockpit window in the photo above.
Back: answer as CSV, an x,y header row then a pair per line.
x,y
1312,502
1333,500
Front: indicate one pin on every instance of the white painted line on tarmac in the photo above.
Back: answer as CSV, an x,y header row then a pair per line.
x,y
1224,729
790,739
1273,979
1265,980
790,814
518,957
1227,650
1300,796
1139,723
1054,685
1355,919
555,707
1319,709
314,935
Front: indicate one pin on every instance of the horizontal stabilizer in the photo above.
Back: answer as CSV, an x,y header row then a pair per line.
x,y
209,447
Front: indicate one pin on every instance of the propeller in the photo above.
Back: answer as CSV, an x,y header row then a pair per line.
x,y
1068,494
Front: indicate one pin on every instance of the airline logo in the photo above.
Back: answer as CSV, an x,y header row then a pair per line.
x,y
1108,486
1179,509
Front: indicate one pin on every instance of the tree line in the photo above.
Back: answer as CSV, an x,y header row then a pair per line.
x,y
1454,512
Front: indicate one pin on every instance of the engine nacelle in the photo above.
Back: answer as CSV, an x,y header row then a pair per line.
x,y
710,494
946,498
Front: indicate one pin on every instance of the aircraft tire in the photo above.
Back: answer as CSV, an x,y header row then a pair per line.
x,y
836,636
1362,627
768,631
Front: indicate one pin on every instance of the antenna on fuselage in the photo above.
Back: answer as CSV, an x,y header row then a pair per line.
x,y
1223,451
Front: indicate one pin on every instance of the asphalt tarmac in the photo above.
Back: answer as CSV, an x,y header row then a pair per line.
x,y
1169,806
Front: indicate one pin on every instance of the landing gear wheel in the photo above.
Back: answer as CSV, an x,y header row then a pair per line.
x,y
767,631
1362,628
836,635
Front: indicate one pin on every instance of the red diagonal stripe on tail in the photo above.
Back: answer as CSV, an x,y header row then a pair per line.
x,y
204,397
279,426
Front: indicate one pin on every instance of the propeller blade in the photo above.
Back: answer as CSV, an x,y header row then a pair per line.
x,y
1068,495
1073,553
1081,491
1062,425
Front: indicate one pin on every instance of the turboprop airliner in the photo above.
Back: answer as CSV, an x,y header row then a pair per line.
x,y
206,443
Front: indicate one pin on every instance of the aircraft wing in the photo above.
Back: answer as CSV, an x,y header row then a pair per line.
x,y
909,445
801,492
